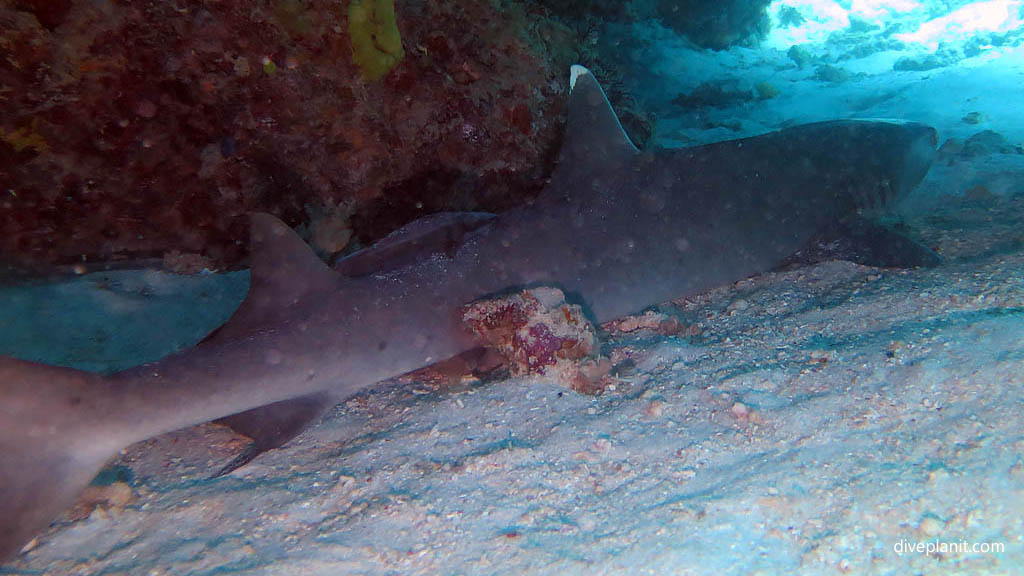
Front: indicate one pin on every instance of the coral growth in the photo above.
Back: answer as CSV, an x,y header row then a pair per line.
x,y
766,90
716,25
979,144
721,94
134,129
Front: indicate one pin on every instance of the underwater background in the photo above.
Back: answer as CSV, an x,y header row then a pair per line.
x,y
820,418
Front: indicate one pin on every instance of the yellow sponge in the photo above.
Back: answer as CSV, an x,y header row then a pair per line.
x,y
373,33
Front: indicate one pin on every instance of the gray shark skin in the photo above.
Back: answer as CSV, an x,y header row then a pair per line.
x,y
617,229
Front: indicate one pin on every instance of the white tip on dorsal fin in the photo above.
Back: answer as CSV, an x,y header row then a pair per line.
x,y
575,71
594,136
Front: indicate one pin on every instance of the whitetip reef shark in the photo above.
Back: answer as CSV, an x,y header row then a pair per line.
x,y
616,228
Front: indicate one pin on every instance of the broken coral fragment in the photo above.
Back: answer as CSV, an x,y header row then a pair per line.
x,y
650,321
330,227
373,34
538,332
112,498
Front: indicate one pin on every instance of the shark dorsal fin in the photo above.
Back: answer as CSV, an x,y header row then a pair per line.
x,y
593,136
282,266
283,273
280,259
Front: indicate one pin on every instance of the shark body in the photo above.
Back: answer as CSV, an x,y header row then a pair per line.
x,y
616,229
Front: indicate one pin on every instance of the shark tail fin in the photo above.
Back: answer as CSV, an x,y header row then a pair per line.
x,y
51,445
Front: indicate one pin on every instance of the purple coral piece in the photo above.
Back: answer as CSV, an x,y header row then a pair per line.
x,y
541,346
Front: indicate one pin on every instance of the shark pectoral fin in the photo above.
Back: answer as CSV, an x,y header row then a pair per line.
x,y
868,242
438,233
273,425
